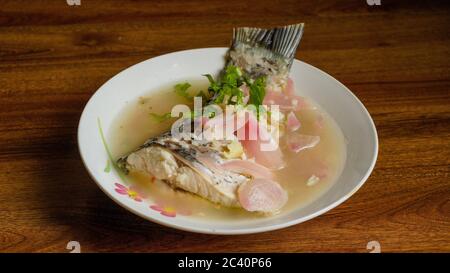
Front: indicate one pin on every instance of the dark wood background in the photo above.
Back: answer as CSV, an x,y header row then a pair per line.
x,y
53,57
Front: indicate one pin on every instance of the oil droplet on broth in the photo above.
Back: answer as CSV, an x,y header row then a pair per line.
x,y
134,126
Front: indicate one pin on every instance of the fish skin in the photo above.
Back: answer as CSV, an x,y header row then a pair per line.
x,y
258,52
180,168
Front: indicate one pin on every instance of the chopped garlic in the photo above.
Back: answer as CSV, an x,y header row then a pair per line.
x,y
277,116
234,150
312,180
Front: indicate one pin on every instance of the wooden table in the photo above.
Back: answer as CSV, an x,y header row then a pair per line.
x,y
394,57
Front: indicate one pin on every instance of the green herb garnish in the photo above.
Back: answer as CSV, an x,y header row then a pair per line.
x,y
181,90
227,89
257,91
161,118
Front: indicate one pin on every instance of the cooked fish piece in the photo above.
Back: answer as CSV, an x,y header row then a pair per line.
x,y
181,162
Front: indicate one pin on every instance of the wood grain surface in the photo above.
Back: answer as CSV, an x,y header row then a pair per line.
x,y
53,57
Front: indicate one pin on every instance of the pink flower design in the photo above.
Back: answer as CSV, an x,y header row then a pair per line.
x,y
168,211
131,192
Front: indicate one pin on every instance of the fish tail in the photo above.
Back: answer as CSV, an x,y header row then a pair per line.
x,y
282,41
266,52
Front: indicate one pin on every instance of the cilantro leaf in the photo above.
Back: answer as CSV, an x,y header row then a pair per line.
x,y
257,91
214,87
161,118
232,76
227,90
181,90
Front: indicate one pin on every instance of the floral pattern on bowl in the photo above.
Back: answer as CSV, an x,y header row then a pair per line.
x,y
131,191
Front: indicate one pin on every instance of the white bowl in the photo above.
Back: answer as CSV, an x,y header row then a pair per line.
x,y
349,113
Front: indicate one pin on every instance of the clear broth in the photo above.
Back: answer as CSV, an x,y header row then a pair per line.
x,y
134,126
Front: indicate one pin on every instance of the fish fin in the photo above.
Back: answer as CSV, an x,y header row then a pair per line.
x,y
266,52
282,41
286,40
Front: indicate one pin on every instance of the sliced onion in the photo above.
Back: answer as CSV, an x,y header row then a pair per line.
x,y
253,142
247,167
262,195
293,124
297,142
286,100
222,121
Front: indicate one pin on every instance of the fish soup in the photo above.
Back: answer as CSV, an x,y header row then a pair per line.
x,y
307,173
